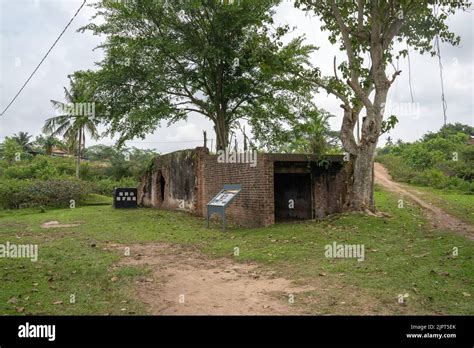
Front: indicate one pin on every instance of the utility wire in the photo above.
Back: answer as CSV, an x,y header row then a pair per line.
x,y
438,53
409,73
42,60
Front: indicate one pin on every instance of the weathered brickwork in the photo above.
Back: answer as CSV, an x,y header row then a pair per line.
x,y
189,179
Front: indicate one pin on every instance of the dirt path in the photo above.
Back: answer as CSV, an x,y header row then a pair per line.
x,y
186,282
438,217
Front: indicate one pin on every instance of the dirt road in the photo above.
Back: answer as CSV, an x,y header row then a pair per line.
x,y
438,217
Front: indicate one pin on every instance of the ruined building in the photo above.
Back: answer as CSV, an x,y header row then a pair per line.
x,y
275,187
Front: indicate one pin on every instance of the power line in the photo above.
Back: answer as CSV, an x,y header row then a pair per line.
x,y
443,99
409,73
42,60
438,53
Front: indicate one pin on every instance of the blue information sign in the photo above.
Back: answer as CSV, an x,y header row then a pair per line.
x,y
218,204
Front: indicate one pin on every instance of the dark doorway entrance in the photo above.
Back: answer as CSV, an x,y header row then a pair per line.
x,y
162,188
292,196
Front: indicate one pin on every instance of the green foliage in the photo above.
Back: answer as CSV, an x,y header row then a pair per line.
x,y
107,186
9,150
126,162
23,139
50,181
440,160
46,143
308,133
99,152
389,123
16,193
40,167
77,117
163,61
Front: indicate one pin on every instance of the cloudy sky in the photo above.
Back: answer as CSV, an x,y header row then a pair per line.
x,y
29,27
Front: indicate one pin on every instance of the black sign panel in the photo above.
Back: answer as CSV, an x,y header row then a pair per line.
x,y
125,198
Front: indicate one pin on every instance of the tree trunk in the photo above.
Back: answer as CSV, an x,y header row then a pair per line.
x,y
78,154
360,170
361,180
222,134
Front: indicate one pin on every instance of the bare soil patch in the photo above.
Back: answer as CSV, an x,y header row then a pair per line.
x,y
185,281
438,217
56,224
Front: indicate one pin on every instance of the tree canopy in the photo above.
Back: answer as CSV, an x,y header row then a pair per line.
x,y
367,31
223,60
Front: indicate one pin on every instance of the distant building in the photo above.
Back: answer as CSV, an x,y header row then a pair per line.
x,y
59,152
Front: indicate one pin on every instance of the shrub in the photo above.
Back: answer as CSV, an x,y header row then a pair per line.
x,y
40,167
442,160
430,177
16,193
107,186
398,168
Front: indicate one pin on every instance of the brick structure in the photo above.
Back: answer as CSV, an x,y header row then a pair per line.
x,y
278,187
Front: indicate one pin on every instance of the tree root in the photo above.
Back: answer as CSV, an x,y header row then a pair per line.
x,y
379,214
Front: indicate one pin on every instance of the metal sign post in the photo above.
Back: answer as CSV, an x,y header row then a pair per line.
x,y
219,203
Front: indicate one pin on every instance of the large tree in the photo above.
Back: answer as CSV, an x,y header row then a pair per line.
x,y
222,59
76,118
373,27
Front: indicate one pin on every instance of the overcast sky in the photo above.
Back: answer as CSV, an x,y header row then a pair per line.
x,y
29,27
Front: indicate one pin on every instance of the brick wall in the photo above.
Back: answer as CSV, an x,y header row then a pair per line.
x,y
254,206
328,190
195,177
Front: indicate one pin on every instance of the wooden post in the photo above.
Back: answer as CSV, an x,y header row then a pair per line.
x,y
205,139
245,140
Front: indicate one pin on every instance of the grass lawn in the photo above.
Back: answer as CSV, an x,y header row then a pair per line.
x,y
402,255
459,205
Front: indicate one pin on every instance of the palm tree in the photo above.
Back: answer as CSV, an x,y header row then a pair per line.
x,y
75,120
318,132
48,142
23,139
312,134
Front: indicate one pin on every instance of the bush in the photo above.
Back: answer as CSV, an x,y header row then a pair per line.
x,y
441,160
430,177
106,186
41,167
398,168
16,193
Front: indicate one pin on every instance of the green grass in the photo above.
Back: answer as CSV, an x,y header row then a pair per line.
x,y
95,199
402,255
457,204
